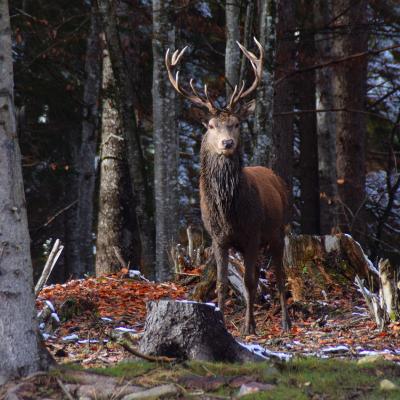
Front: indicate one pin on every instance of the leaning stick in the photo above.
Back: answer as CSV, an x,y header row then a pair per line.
x,y
50,263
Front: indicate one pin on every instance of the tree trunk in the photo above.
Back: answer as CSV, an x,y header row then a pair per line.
x,y
326,128
305,86
350,90
19,344
166,141
190,331
88,148
232,51
116,219
137,169
264,144
72,234
282,132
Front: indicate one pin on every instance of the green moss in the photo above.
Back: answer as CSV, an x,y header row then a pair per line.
x,y
127,369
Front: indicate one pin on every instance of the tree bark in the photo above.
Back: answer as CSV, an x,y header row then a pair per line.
x,y
166,141
232,51
137,169
88,147
19,344
350,90
282,132
326,128
307,126
116,219
263,125
190,331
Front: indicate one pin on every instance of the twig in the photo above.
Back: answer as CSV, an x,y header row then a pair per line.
x,y
57,214
137,353
119,257
50,263
64,389
336,61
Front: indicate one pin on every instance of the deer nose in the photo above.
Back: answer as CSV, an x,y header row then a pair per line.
x,y
227,143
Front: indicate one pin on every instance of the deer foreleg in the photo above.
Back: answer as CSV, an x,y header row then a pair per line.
x,y
221,258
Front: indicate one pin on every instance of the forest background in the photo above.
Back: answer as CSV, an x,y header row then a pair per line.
x,y
111,153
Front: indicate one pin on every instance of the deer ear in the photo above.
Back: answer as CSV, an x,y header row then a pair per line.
x,y
205,124
247,109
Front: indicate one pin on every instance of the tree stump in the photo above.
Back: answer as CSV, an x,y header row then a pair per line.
x,y
190,331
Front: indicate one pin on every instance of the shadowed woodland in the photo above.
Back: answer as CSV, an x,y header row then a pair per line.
x,y
107,143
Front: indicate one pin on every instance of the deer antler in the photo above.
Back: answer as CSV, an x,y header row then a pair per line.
x,y
257,64
194,96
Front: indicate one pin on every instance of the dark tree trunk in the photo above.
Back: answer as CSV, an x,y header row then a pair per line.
x,y
350,90
116,226
166,141
190,331
265,146
72,235
88,148
307,123
326,128
137,169
19,344
282,133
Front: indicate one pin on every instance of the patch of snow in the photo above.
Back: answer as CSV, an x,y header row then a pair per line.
x,y
70,338
335,349
42,325
50,305
106,319
85,341
55,317
47,336
373,352
123,329
263,352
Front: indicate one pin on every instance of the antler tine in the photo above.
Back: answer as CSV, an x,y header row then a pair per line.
x,y
193,97
209,101
257,65
232,97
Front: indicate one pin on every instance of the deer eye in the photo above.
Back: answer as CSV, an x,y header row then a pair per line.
x,y
211,126
237,125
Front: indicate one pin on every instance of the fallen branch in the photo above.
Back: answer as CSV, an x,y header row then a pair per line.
x,y
127,346
50,263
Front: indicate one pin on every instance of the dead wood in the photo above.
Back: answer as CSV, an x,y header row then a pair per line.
x,y
190,330
314,265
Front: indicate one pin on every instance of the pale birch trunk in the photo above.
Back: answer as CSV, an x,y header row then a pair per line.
x,y
116,217
326,126
166,138
232,51
263,124
19,346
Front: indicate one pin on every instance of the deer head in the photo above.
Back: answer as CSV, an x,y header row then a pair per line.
x,y
223,128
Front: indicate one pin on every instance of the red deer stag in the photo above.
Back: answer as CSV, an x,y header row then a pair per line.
x,y
242,207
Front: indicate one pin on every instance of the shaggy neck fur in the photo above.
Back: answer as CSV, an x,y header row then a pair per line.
x,y
221,179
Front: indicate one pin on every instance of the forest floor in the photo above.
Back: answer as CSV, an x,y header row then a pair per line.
x,y
95,310
333,351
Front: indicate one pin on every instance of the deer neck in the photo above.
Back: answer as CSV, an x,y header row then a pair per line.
x,y
221,179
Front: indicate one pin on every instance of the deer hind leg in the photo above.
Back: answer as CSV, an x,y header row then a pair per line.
x,y
277,255
221,258
251,275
